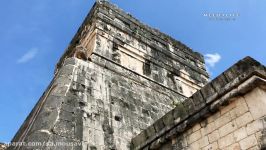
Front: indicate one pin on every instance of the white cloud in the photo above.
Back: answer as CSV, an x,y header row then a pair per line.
x,y
212,59
28,56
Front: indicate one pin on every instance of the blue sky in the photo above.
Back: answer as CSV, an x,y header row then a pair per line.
x,y
34,34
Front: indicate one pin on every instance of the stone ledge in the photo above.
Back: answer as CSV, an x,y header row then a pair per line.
x,y
242,77
107,63
168,53
156,35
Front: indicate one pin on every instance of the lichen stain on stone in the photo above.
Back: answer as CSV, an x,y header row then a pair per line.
x,y
108,133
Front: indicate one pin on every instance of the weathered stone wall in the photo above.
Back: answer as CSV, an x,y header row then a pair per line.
x,y
135,75
57,117
98,103
120,104
240,125
116,78
228,111
113,35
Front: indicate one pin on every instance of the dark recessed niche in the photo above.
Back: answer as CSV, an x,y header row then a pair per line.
x,y
82,104
118,118
81,55
93,148
147,68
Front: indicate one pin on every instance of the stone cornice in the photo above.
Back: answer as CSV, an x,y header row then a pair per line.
x,y
155,33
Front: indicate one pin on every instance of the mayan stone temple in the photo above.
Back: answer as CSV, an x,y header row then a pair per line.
x,y
122,85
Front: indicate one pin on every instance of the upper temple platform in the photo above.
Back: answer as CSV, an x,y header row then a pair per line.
x,y
115,36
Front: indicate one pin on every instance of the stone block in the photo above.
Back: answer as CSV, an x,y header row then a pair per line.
x,y
53,102
213,117
194,145
227,108
70,61
231,73
139,139
208,129
150,131
99,137
69,107
67,70
235,146
254,126
228,128
226,141
59,90
248,142
64,128
219,82
204,141
247,63
244,119
196,127
240,134
179,113
159,125
256,101
239,110
168,119
194,137
63,80
189,106
198,100
207,91
224,119
212,146
213,136
68,116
